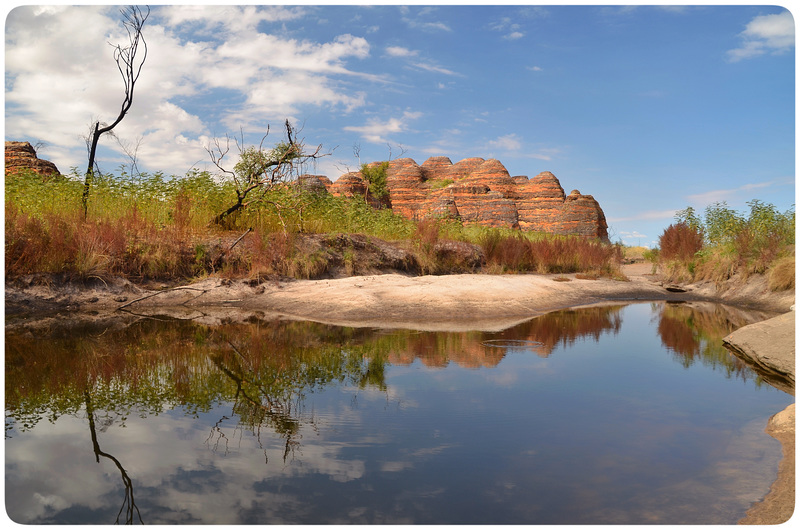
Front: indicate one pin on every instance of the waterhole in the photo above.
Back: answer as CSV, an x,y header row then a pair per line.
x,y
628,414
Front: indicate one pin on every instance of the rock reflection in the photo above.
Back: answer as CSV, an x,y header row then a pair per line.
x,y
565,327
262,367
265,367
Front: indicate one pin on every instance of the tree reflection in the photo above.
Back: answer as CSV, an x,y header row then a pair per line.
x,y
128,503
693,332
264,369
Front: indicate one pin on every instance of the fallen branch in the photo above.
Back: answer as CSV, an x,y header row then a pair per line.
x,y
222,255
123,306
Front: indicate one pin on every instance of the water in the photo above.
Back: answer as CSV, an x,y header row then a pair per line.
x,y
612,415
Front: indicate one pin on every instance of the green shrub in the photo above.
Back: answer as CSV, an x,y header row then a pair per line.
x,y
726,242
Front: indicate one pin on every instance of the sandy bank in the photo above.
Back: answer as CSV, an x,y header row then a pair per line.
x,y
453,302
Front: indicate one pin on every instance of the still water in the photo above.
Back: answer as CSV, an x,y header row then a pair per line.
x,y
613,414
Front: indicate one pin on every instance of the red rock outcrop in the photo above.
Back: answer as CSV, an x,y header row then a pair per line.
x,y
22,156
314,183
481,191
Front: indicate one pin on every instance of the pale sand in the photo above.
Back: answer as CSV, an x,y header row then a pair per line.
x,y
451,302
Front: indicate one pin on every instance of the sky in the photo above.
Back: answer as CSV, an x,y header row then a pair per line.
x,y
649,109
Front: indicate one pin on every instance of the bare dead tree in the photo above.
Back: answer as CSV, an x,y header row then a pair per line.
x,y
260,170
131,150
130,60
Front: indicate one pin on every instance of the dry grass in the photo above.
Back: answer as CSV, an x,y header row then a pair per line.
x,y
781,274
159,229
129,246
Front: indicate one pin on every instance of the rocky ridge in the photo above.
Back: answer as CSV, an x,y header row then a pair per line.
x,y
482,192
22,155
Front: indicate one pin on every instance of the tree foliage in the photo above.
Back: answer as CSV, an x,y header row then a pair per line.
x,y
376,177
260,170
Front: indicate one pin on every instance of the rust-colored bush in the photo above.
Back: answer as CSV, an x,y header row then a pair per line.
x,y
680,242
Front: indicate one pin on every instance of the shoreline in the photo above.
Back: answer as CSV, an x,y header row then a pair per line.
x,y
450,302
434,303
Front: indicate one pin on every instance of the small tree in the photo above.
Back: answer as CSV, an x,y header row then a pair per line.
x,y
130,66
376,176
260,170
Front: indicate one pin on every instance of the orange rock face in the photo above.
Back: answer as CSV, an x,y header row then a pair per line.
x,y
481,191
21,156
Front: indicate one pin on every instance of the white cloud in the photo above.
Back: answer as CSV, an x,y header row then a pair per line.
x,y
652,215
765,34
534,68
508,27
710,197
416,22
60,75
399,51
509,142
428,67
376,131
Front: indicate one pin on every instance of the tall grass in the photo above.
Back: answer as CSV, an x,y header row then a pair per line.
x,y
521,252
158,227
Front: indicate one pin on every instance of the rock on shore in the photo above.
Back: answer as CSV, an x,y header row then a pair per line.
x,y
770,346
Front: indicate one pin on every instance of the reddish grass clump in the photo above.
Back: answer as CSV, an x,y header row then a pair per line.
x,y
67,243
516,253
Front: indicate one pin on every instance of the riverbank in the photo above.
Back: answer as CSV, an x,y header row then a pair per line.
x,y
449,302
452,302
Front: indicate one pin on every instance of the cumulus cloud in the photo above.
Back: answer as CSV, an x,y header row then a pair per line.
x,y
61,75
765,34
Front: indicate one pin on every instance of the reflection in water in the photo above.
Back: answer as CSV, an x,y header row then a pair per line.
x,y
256,380
128,503
694,332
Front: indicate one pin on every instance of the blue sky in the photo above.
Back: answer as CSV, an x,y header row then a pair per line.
x,y
649,109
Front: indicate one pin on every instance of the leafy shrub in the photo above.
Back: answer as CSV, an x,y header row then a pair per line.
x,y
726,242
376,177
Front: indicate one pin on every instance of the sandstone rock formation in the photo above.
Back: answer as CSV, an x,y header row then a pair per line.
x,y
22,156
481,191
